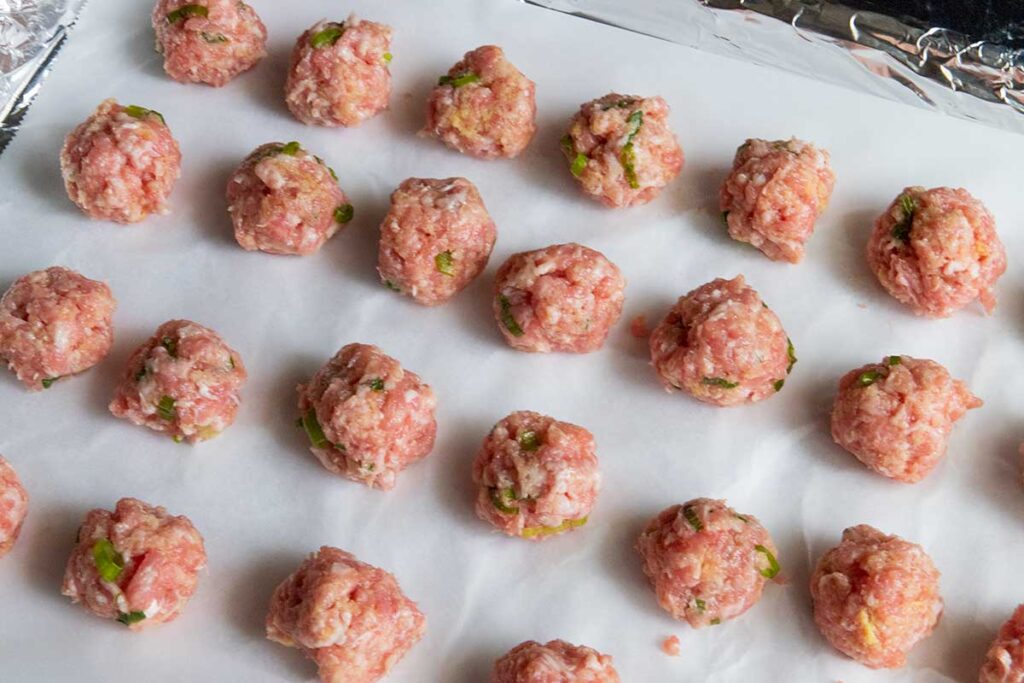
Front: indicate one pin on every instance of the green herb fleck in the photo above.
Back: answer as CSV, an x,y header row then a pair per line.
x,y
214,38
618,104
716,621
376,384
48,382
701,605
692,518
725,217
719,382
344,213
387,57
445,263
328,36
901,230
178,438
313,429
773,565
529,441
868,377
567,146
778,384
392,286
628,156
141,372
579,164
129,618
506,317
186,11
171,344
535,531
895,360
740,517
291,149
504,500
458,81
137,112
109,563
333,174
791,354
165,408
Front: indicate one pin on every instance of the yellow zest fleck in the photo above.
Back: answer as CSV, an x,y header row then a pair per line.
x,y
867,628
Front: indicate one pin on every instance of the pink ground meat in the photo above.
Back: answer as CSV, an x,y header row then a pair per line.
x,y
284,200
937,251
723,345
565,297
707,563
366,417
483,107
13,506
537,477
349,617
184,381
436,238
775,192
554,662
137,564
895,416
55,323
1004,662
621,150
339,73
208,41
875,596
121,163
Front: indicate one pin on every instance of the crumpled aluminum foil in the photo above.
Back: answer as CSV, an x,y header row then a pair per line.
x,y
929,66
31,34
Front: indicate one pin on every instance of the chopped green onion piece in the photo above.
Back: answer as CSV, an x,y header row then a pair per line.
x,y
333,174
504,500
129,618
376,384
344,213
716,621
628,156
458,81
186,11
778,384
48,382
719,382
109,563
534,531
725,217
895,360
171,345
579,164
178,438
619,104
214,38
313,429
791,354
701,605
773,565
692,518
387,57
291,149
329,36
392,286
137,112
868,377
901,230
165,408
445,263
529,441
506,317
231,363
741,518
141,373
566,143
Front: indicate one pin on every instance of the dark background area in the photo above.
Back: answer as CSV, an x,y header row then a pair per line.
x,y
999,21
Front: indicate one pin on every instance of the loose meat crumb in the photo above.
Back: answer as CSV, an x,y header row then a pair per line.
x,y
670,646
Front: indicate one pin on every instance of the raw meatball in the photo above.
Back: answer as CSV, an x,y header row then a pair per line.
x,y
722,345
537,477
875,596
554,662
707,563
367,418
351,618
54,323
209,41
183,381
565,297
483,107
284,200
121,163
137,564
1004,662
339,73
895,416
775,192
621,149
13,506
436,238
937,251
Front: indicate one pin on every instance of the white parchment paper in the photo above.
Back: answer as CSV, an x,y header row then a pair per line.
x,y
261,500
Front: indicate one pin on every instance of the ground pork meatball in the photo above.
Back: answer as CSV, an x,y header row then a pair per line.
x,y
537,477
284,200
55,323
775,192
937,251
351,618
722,345
565,297
483,107
621,150
183,381
121,163
554,662
366,417
436,238
13,506
875,596
707,563
137,564
1004,662
895,416
339,73
209,41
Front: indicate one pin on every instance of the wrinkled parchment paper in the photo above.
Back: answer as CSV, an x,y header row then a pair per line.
x,y
263,502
